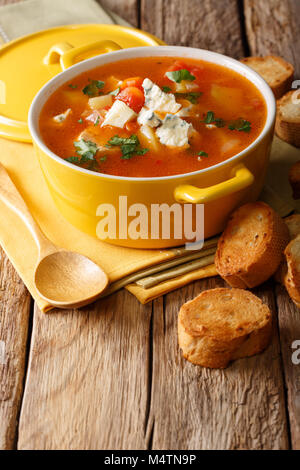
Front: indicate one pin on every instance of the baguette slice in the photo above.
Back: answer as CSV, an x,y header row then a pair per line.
x,y
251,247
221,325
287,125
294,179
292,276
293,225
274,70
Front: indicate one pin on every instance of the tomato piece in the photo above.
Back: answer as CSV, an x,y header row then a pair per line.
x,y
179,65
132,127
133,97
132,81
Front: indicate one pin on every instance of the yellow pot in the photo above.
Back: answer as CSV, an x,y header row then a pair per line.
x,y
78,193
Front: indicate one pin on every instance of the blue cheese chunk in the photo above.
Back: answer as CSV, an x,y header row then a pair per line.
x,y
118,115
156,99
147,117
63,116
174,131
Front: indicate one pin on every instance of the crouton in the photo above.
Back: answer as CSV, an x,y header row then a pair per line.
x,y
274,70
287,125
251,248
292,276
221,325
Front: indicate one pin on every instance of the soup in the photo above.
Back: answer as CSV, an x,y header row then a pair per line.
x,y
154,116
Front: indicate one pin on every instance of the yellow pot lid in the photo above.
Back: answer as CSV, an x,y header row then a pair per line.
x,y
27,63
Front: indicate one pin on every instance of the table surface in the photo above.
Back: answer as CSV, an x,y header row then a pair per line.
x,y
111,376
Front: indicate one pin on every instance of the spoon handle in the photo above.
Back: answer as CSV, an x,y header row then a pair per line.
x,y
12,198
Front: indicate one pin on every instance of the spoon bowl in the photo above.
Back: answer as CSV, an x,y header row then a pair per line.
x,y
65,275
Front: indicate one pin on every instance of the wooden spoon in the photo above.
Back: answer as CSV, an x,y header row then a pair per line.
x,y
63,278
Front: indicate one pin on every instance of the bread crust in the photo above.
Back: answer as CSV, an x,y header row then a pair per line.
x,y
292,275
276,71
221,325
251,247
287,127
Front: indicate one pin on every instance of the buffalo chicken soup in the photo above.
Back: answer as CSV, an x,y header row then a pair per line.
x,y
150,117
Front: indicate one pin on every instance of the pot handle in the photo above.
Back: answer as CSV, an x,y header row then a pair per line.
x,y
242,178
68,55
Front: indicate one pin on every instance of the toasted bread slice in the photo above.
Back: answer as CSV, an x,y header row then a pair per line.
x,y
274,70
251,247
221,325
292,276
287,125
293,225
294,179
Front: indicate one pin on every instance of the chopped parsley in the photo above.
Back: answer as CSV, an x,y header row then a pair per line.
x,y
178,75
202,154
166,89
211,119
80,121
93,88
97,121
103,159
129,146
192,97
240,125
86,149
72,86
115,92
73,159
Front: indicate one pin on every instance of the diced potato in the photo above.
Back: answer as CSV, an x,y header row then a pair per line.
x,y
148,138
100,102
112,83
186,86
227,96
74,97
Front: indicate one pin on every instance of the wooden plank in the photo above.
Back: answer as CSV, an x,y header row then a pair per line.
x,y
209,24
87,382
128,10
289,325
14,318
241,407
273,28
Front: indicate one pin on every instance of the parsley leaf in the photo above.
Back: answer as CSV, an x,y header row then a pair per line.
x,y
211,119
73,159
192,97
202,154
166,89
93,88
240,125
103,159
80,121
179,75
86,149
115,92
72,86
97,121
129,146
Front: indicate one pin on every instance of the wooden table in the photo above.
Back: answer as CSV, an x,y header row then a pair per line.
x,y
110,376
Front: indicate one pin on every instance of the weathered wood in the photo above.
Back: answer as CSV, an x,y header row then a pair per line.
x,y
129,9
273,28
87,381
14,318
289,325
207,24
241,407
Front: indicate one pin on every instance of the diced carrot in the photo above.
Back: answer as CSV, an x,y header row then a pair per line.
x,y
133,81
133,97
